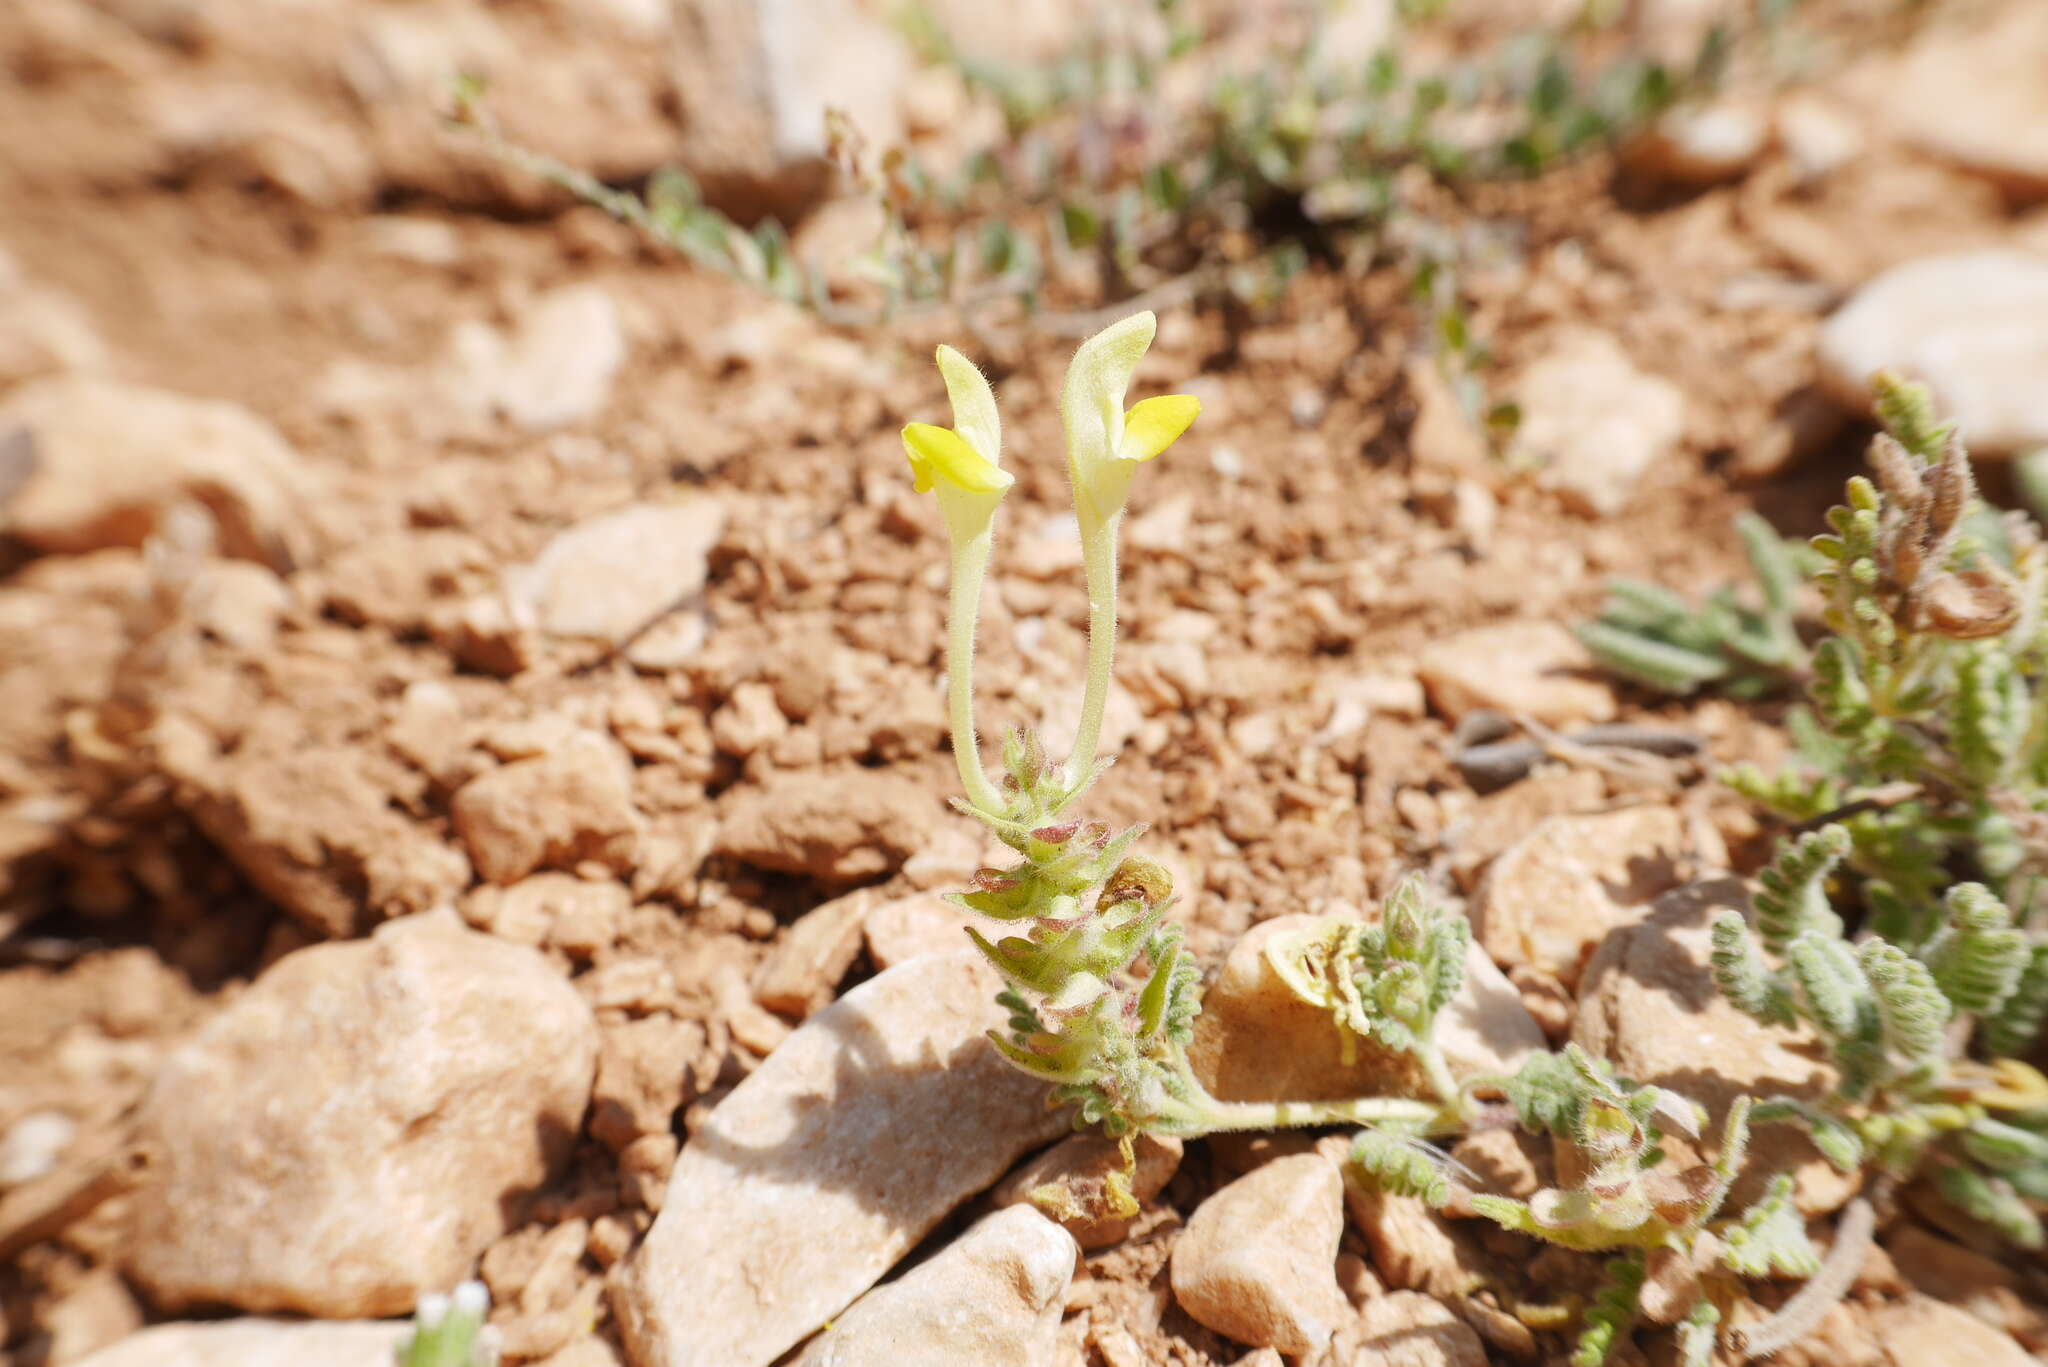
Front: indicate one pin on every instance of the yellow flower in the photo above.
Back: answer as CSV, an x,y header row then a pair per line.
x,y
1105,442
963,463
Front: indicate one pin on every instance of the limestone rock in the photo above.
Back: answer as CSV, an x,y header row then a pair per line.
x,y
1593,421
924,923
1701,145
554,368
993,1296
1978,98
293,1176
43,331
1407,1329
802,971
571,804
1256,1041
1552,896
1534,667
1973,326
1257,1261
607,578
836,825
1414,1247
316,831
255,1343
828,1163
757,80
111,459
1648,1004
1069,1183
1922,1332
647,1069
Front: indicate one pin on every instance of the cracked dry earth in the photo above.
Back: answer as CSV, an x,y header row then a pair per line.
x,y
470,744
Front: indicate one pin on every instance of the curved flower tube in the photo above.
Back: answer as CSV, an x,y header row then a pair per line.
x,y
962,465
1105,445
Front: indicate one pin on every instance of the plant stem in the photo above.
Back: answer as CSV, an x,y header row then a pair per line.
x,y
1209,1116
1098,554
970,564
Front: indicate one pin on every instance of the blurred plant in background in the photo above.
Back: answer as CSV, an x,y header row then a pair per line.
x,y
1199,155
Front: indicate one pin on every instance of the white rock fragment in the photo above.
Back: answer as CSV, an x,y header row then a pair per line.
x,y
1551,897
1257,1261
1593,421
1538,668
858,1134
554,368
255,1343
608,577
360,1123
109,461
992,1297
1973,326
1979,100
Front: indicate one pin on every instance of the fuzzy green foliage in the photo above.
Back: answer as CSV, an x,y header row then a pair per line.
x,y
1770,1238
448,1331
1884,1013
1613,1312
1652,636
1401,1164
1617,1126
1791,896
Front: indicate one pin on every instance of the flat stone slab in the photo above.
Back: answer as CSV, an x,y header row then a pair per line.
x,y
853,1140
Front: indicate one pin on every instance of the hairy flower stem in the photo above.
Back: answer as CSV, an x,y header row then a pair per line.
x,y
1098,552
1799,1316
970,565
1210,1116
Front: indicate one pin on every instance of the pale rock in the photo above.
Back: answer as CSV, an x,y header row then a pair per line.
x,y
417,240
1550,899
841,825
813,953
255,1343
1701,145
111,460
1979,101
33,1146
1592,421
1537,668
647,1070
291,1176
1964,1278
1255,1040
572,804
1648,1005
1818,136
829,1162
1257,1261
906,927
238,602
1510,1162
1406,1329
609,577
992,1297
1972,326
554,368
1922,1332
1414,1247
315,830
1069,1183
749,720
92,1312
755,83
579,916
43,331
